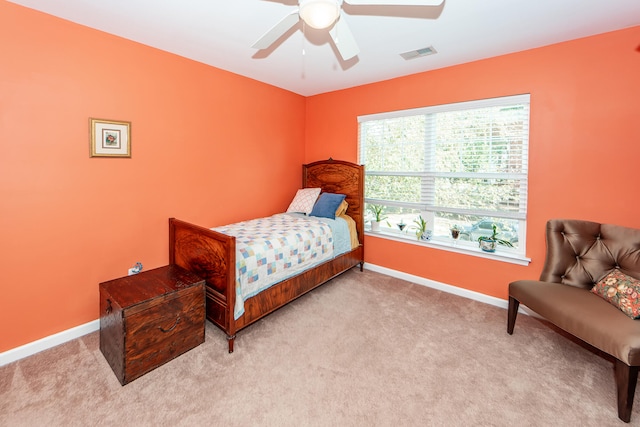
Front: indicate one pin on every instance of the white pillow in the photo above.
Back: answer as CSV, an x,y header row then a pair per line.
x,y
304,200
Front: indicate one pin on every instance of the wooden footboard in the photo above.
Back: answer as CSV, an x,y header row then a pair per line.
x,y
211,256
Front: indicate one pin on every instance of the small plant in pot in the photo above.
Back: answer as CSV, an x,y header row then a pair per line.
x,y
420,227
455,233
489,243
378,216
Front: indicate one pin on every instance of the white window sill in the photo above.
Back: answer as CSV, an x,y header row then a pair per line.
x,y
461,247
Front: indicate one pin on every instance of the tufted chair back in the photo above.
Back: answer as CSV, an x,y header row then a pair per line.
x,y
579,253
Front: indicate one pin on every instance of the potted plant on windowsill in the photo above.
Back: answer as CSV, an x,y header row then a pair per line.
x,y
378,216
455,232
489,243
420,227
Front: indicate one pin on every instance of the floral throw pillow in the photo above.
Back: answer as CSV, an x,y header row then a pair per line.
x,y
620,290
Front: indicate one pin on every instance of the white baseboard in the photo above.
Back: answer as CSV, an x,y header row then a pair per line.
x,y
48,342
73,333
477,296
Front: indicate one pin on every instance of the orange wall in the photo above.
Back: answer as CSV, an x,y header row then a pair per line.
x,y
584,142
208,146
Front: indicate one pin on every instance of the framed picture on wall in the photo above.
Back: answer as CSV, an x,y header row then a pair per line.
x,y
110,138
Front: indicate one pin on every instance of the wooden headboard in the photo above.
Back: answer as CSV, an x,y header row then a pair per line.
x,y
338,176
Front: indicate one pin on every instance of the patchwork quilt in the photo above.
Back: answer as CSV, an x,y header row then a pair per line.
x,y
272,249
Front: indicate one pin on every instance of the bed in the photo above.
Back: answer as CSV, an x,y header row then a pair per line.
x,y
212,254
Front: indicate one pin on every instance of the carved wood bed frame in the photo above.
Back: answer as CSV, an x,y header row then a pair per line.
x,y
212,255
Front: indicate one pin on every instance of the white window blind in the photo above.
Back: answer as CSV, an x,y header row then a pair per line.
x,y
455,164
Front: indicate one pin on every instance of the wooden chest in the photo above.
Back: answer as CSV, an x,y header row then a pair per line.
x,y
150,318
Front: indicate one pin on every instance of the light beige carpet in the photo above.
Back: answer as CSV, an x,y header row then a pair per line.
x,y
362,350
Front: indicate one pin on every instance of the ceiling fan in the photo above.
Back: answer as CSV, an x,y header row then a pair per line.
x,y
329,14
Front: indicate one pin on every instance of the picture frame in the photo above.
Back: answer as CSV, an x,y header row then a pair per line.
x,y
110,138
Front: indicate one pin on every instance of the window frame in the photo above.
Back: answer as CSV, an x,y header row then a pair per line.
x,y
427,206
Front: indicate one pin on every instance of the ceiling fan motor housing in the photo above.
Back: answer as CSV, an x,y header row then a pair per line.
x,y
319,14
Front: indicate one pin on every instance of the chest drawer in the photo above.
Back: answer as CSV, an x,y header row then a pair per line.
x,y
144,325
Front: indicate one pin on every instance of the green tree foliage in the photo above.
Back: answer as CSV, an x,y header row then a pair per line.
x,y
455,159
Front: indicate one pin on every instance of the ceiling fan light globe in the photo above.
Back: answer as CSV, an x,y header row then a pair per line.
x,y
319,14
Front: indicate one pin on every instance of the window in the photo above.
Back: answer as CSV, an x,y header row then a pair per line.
x,y
462,165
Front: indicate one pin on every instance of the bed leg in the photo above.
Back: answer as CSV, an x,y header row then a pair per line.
x,y
231,339
362,266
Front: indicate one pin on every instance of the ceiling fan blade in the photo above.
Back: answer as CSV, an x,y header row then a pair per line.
x,y
277,31
394,2
343,39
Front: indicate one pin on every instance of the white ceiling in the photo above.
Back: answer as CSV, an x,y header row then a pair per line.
x,y
220,33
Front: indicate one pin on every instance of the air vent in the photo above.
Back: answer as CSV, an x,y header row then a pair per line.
x,y
418,53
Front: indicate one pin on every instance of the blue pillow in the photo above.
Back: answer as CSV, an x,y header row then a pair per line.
x,y
327,204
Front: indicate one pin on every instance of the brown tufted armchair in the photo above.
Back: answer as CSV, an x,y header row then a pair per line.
x,y
579,253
